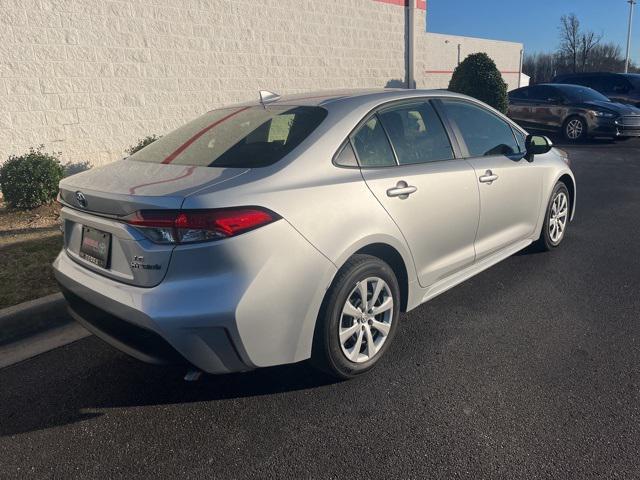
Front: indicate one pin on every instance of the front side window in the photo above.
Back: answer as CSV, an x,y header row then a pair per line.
x,y
588,81
372,146
417,134
521,138
483,132
242,137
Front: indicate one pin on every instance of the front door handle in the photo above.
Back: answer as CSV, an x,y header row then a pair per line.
x,y
488,177
402,190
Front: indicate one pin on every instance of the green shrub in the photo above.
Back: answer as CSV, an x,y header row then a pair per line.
x,y
478,76
31,180
143,142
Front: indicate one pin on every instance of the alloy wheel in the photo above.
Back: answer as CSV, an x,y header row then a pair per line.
x,y
574,129
558,217
366,319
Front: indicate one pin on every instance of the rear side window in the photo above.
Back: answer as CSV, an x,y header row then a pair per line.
x,y
519,94
542,93
615,84
242,137
417,134
346,157
483,132
372,146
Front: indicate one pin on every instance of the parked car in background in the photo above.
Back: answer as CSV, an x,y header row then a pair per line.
x,y
574,111
264,234
618,87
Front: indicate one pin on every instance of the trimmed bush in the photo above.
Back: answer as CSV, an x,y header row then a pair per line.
x,y
143,142
478,76
31,180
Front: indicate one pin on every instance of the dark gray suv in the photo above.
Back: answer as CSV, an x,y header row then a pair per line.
x,y
618,87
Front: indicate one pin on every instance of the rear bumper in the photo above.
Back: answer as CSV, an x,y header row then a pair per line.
x,y
226,306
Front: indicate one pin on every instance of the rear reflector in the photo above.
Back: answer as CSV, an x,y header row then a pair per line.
x,y
190,226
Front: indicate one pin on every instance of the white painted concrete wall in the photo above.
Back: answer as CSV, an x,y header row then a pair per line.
x,y
90,77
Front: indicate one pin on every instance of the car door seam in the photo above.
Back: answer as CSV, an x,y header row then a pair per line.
x,y
477,184
395,223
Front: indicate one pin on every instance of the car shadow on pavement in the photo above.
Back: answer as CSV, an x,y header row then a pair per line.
x,y
90,376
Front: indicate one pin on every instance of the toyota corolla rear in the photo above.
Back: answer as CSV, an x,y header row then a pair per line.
x,y
167,258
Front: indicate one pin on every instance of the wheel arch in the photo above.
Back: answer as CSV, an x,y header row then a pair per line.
x,y
565,176
571,187
393,258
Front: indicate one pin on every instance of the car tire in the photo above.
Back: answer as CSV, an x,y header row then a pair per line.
x,y
335,351
556,217
575,129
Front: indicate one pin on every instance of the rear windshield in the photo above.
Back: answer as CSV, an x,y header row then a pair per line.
x,y
242,137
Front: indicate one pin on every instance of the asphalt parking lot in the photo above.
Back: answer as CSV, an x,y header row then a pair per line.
x,y
529,370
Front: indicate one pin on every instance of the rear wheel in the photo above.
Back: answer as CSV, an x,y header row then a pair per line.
x,y
358,319
556,219
575,129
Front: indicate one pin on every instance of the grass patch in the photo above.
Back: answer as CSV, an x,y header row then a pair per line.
x,y
29,242
25,267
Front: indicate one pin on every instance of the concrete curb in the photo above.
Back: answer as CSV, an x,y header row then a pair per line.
x,y
34,327
28,318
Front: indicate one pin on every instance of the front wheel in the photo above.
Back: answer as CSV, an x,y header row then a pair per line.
x,y
358,319
556,218
575,129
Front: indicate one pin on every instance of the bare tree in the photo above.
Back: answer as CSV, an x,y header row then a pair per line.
x,y
606,57
578,51
588,41
570,38
541,67
576,45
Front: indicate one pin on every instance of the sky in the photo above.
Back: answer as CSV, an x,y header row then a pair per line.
x,y
533,22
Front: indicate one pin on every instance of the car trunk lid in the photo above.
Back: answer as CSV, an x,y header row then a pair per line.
x,y
96,200
126,186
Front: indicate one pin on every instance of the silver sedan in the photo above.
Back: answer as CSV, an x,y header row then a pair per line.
x,y
300,227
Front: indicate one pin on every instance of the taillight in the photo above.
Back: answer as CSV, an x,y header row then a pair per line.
x,y
190,226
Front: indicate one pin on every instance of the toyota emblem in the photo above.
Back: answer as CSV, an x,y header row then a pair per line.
x,y
81,199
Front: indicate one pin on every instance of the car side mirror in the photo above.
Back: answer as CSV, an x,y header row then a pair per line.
x,y
537,145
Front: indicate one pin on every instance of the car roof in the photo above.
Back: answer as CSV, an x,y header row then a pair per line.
x,y
592,74
323,98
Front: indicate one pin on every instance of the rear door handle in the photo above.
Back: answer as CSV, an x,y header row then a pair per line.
x,y
402,190
488,177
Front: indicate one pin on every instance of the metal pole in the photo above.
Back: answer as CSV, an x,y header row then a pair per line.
x,y
410,18
626,62
520,69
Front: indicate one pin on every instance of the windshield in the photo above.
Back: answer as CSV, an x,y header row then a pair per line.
x,y
242,137
578,94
